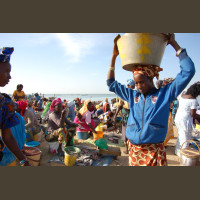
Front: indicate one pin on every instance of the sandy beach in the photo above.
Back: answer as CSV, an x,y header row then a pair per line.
x,y
122,160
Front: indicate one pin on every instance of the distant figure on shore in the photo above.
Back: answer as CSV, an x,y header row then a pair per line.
x,y
18,94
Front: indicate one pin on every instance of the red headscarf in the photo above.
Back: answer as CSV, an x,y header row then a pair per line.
x,y
54,103
147,70
22,106
77,100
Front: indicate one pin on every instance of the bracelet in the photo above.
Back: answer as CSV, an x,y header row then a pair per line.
x,y
112,68
22,162
179,51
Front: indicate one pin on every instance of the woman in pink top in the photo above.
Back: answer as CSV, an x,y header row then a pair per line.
x,y
84,118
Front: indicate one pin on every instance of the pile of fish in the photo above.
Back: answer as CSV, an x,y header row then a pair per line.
x,y
86,157
71,151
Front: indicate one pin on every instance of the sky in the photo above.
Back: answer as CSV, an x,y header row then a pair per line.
x,y
77,63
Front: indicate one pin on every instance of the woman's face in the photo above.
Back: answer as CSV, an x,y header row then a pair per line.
x,y
143,83
20,88
5,69
58,108
107,107
90,107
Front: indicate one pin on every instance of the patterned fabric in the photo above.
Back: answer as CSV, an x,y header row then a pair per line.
x,y
5,54
62,135
147,155
147,70
170,131
105,117
8,118
167,81
31,132
18,132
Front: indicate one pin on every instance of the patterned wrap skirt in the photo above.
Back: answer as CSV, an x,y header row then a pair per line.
x,y
147,155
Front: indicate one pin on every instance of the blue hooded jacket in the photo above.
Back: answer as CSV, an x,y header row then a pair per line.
x,y
148,119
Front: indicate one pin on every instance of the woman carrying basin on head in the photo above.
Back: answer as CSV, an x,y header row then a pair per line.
x,y
149,107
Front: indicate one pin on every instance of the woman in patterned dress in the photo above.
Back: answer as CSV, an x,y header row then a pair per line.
x,y
8,118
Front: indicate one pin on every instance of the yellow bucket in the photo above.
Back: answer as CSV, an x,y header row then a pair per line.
x,y
197,126
71,154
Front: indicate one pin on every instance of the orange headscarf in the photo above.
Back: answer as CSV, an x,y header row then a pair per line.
x,y
84,109
147,70
105,107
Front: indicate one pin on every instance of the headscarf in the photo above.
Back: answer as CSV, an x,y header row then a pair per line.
x,y
77,100
84,109
147,70
22,106
97,107
130,82
5,54
70,103
168,80
126,105
105,107
54,103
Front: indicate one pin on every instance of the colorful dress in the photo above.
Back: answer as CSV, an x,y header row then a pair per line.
x,y
19,134
8,117
170,131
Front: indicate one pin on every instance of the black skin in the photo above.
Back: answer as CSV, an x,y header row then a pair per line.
x,y
143,83
7,137
192,111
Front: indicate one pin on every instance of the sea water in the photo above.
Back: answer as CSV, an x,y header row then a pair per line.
x,y
92,97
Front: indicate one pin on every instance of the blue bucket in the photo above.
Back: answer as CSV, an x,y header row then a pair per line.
x,y
83,135
32,144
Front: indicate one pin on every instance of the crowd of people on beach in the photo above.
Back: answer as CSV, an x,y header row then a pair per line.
x,y
144,114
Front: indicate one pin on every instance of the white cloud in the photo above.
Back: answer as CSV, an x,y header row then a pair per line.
x,y
76,45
